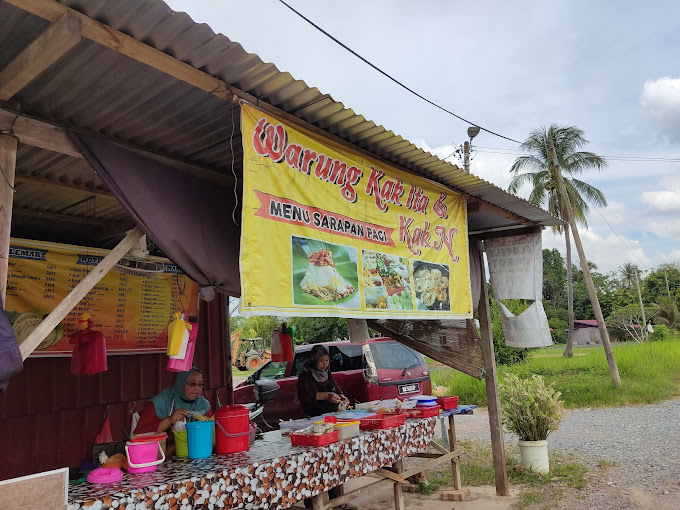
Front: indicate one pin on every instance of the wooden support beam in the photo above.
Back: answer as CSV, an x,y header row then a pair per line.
x,y
52,137
37,134
8,159
78,293
61,184
67,218
129,46
491,380
49,47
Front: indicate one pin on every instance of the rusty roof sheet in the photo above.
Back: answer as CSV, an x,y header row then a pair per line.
x,y
96,88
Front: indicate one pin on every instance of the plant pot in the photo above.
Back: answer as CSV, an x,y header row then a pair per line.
x,y
534,455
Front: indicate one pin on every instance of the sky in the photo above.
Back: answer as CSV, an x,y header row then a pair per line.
x,y
609,68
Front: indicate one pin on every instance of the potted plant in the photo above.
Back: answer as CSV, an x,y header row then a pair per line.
x,y
531,410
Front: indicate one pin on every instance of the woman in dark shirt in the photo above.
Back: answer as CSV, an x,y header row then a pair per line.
x,y
319,394
317,390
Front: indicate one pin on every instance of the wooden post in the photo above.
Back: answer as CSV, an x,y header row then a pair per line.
x,y
398,494
78,293
8,160
455,466
611,361
491,380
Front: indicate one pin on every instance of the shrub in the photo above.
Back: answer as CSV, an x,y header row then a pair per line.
x,y
530,409
559,327
661,332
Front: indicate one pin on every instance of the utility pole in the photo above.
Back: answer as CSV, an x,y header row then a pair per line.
x,y
665,277
645,336
611,361
472,132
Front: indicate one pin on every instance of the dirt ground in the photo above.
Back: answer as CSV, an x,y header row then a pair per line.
x,y
481,498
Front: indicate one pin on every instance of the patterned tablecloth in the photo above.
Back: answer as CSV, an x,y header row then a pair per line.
x,y
272,474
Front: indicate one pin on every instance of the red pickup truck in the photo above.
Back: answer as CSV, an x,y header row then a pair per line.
x,y
377,369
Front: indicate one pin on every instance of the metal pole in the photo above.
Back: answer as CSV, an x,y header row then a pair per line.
x,y
665,277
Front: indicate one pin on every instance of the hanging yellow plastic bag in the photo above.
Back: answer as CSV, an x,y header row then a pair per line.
x,y
176,331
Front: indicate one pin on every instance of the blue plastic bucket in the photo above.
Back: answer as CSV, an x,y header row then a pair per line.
x,y
200,439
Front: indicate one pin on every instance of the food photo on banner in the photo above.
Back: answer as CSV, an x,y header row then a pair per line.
x,y
329,231
130,310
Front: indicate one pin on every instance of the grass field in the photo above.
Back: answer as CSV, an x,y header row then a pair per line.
x,y
584,379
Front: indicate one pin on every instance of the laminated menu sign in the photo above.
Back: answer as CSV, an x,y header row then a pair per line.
x,y
329,231
132,311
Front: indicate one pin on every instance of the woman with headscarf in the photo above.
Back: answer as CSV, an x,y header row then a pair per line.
x,y
317,390
175,404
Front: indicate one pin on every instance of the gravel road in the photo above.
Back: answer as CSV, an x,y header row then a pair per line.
x,y
643,441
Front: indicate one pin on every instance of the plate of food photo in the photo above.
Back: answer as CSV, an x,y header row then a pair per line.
x,y
431,285
324,273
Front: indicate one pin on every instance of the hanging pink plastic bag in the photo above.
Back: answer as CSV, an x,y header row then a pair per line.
x,y
183,364
89,349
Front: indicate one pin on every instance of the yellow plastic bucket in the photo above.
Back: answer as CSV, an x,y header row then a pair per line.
x,y
181,444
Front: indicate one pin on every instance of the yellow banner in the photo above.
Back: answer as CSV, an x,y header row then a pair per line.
x,y
327,231
132,311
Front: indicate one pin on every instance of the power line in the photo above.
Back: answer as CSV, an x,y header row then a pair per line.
x,y
617,235
392,78
513,152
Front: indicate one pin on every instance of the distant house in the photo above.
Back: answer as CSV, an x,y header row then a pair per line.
x,y
586,332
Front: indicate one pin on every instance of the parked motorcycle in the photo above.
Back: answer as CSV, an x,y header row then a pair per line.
x,y
265,391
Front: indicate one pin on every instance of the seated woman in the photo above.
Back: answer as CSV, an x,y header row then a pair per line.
x,y
174,404
319,394
317,390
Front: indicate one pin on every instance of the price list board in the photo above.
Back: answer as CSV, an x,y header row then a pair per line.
x,y
132,311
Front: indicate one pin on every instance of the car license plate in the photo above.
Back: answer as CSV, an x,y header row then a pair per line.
x,y
408,388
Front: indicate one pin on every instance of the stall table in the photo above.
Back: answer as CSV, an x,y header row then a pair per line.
x,y
272,474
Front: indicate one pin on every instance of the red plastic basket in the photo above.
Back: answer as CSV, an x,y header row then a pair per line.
x,y
448,402
427,412
382,421
309,440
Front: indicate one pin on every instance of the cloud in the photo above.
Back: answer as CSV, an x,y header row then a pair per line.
x,y
607,252
661,99
665,201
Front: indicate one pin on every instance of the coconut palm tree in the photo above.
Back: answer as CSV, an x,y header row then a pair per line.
x,y
537,170
627,273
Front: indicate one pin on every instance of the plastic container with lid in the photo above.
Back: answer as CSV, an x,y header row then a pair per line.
x,y
233,429
288,427
347,429
447,402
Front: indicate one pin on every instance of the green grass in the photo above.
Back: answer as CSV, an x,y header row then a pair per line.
x,y
584,379
241,373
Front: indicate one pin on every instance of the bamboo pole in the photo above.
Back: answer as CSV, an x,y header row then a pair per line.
x,y
611,361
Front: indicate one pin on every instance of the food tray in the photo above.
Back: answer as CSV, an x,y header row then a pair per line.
x,y
310,440
448,402
426,412
382,421
289,427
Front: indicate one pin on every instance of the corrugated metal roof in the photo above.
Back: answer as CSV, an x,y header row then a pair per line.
x,y
96,88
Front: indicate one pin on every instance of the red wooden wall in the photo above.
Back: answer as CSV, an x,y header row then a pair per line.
x,y
50,418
